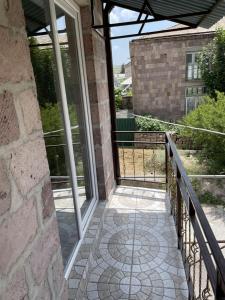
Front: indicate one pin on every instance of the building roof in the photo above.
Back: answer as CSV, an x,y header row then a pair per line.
x,y
192,31
127,81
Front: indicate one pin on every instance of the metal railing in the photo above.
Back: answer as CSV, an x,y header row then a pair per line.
x,y
202,255
142,158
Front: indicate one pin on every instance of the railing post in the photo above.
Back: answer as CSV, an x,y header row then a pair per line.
x,y
179,210
166,162
220,286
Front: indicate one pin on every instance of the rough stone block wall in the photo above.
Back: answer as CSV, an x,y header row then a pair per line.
x,y
30,255
159,74
94,47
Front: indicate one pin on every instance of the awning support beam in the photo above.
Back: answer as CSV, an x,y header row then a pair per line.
x,y
149,33
159,18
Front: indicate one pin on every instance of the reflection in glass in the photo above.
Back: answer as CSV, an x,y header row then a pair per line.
x,y
45,71
71,67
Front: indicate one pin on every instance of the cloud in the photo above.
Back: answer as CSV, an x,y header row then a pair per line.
x,y
115,47
114,17
122,15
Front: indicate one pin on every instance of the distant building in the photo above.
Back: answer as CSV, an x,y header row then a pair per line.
x,y
127,68
165,72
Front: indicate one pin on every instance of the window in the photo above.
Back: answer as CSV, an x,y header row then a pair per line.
x,y
193,70
194,96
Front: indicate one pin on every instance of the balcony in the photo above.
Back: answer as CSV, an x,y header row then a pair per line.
x,y
152,240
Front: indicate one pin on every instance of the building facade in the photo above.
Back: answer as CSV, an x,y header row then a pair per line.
x,y
165,72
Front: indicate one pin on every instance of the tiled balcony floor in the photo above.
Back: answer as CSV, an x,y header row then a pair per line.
x,y
137,256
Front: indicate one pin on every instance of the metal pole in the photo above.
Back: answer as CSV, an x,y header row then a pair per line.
x,y
109,63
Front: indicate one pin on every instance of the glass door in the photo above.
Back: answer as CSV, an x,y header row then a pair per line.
x,y
58,63
70,62
67,31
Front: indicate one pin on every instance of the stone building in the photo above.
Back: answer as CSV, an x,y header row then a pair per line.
x,y
57,160
165,72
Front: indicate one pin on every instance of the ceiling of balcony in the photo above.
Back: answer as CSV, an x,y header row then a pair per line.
x,y
202,13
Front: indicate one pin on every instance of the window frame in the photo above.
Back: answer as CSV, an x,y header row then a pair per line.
x,y
193,64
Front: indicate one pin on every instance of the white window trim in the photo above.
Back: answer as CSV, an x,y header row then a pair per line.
x,y
73,10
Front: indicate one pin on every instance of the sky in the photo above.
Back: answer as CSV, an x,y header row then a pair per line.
x,y
120,47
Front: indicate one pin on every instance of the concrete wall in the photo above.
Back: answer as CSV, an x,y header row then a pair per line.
x,y
159,74
94,47
30,255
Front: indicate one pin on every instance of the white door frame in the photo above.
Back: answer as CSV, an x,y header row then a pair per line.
x,y
73,10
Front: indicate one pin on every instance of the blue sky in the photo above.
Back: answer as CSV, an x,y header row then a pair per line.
x,y
120,47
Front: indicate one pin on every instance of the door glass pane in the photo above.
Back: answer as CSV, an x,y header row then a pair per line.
x,y
45,72
71,67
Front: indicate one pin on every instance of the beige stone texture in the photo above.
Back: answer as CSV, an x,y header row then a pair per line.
x,y
14,54
48,206
17,288
8,119
5,189
30,111
29,165
43,251
16,232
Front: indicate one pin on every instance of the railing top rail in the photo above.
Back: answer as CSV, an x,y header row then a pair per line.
x,y
210,237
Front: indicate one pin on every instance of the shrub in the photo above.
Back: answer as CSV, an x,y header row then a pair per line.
x,y
118,98
211,115
144,124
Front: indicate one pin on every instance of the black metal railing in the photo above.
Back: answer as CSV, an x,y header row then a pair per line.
x,y
202,255
142,160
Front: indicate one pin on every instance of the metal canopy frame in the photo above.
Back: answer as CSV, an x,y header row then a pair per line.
x,y
150,17
189,18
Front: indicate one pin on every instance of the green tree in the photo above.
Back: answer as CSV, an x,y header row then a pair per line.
x,y
118,98
212,61
44,68
122,71
211,115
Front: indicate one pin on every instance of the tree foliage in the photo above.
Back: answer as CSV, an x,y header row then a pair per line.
x,y
122,71
118,98
44,69
210,115
152,124
212,61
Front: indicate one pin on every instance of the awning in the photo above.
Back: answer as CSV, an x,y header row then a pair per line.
x,y
191,13
36,14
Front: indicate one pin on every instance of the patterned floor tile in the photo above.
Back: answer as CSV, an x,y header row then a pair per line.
x,y
136,255
123,201
117,234
99,291
145,235
154,293
151,204
159,267
112,263
115,218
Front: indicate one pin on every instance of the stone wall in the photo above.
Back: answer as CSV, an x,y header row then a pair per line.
x,y
30,255
127,102
159,74
94,47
